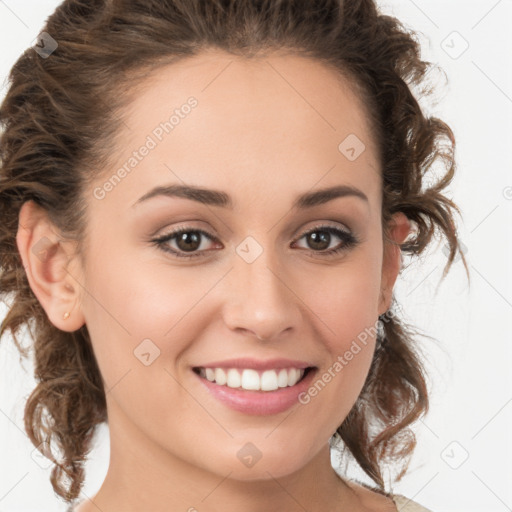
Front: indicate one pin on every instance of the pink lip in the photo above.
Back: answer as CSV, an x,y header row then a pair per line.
x,y
259,402
254,364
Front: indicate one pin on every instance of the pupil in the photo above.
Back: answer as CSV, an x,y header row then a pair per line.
x,y
188,238
324,238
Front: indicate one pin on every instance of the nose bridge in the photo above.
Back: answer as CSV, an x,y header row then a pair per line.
x,y
260,297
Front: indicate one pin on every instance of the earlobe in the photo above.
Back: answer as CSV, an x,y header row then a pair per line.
x,y
45,258
400,227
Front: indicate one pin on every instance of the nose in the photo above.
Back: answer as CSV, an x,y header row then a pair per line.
x,y
260,300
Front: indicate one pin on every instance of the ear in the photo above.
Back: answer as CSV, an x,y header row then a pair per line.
x,y
400,228
46,257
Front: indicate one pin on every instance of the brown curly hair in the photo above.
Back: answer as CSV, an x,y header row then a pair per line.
x,y
59,122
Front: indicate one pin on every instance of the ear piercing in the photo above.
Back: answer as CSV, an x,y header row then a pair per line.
x,y
66,315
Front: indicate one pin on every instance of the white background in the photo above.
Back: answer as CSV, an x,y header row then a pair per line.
x,y
462,462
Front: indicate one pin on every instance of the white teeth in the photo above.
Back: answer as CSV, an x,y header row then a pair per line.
x,y
233,379
250,380
220,376
268,380
282,379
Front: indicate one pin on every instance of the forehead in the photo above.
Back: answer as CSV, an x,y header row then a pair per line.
x,y
283,120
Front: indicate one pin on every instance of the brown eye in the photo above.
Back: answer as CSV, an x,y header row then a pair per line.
x,y
188,241
185,241
320,237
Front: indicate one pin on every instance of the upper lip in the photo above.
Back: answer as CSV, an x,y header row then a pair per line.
x,y
257,364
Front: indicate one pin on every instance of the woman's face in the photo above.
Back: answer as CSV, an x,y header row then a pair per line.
x,y
260,139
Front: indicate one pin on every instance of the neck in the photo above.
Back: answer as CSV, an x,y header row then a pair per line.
x,y
143,476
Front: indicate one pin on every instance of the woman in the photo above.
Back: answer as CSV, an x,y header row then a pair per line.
x,y
205,205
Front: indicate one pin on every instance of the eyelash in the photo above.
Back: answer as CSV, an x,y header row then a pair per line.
x,y
349,240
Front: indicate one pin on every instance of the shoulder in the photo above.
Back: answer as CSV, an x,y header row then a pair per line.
x,y
404,504
375,499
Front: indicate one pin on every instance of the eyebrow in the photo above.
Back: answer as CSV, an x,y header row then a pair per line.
x,y
222,199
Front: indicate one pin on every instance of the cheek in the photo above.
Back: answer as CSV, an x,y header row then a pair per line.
x,y
345,300
345,307
337,385
135,307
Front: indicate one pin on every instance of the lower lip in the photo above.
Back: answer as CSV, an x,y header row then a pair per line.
x,y
258,402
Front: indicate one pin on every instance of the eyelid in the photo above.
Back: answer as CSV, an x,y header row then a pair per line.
x,y
317,225
323,224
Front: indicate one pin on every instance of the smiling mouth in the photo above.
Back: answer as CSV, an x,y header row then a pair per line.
x,y
254,380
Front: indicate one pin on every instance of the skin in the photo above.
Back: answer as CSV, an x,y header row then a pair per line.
x,y
264,142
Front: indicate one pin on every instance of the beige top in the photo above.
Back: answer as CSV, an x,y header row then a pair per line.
x,y
404,504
